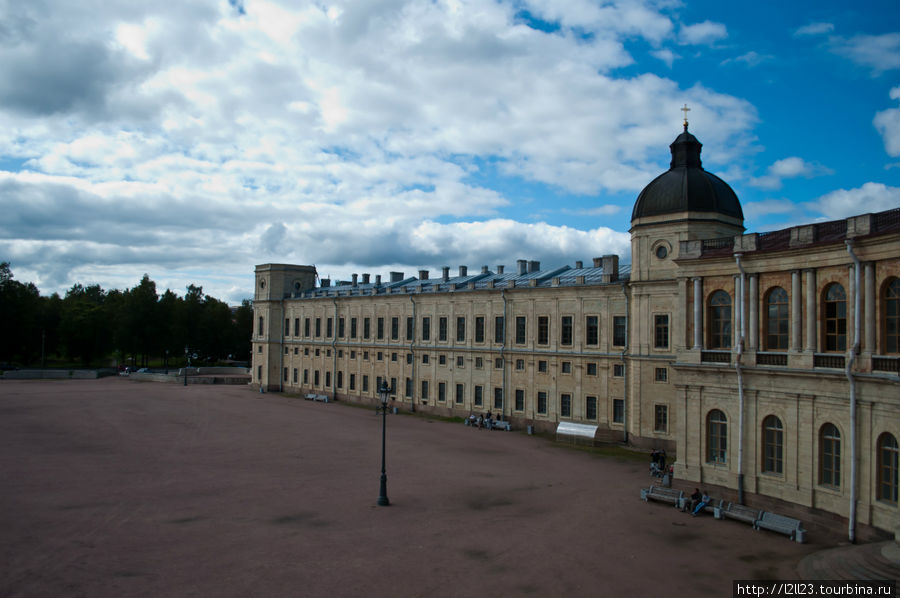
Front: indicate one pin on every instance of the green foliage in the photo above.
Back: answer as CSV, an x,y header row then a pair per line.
x,y
90,325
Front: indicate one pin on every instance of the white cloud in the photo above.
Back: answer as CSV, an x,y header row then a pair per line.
x,y
818,28
887,122
702,34
870,198
749,59
666,55
788,168
877,52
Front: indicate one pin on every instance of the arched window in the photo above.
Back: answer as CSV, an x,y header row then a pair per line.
x,y
773,445
777,320
892,317
887,467
716,437
720,320
835,312
830,456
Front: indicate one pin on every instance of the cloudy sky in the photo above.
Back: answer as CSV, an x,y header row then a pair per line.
x,y
191,140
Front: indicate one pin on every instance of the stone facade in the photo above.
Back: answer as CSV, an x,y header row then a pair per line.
x,y
662,353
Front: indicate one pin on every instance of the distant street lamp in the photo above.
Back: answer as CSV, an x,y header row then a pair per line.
x,y
384,394
187,356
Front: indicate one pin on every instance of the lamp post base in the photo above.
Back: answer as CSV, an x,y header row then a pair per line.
x,y
382,497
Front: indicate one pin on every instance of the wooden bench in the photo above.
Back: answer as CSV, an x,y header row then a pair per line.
x,y
779,523
315,397
310,397
740,512
501,425
661,494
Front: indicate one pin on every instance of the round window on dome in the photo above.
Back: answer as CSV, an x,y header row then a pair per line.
x,y
662,252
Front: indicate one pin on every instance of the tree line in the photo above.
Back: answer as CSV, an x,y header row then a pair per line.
x,y
91,326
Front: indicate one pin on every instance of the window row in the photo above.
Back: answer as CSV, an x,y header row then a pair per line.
x,y
829,453
775,320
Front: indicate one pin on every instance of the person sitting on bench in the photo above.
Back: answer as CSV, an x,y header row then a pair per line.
x,y
701,505
692,503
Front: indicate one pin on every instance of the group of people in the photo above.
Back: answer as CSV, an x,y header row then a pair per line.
x,y
657,463
696,503
485,421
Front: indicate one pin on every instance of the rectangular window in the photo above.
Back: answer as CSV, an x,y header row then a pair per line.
x,y
520,365
379,329
565,330
367,328
327,379
442,328
426,328
565,405
542,366
365,383
393,386
352,381
661,331
410,333
543,330
409,384
315,377
520,399
296,326
461,329
393,356
395,328
479,363
261,327
479,329
460,361
295,376
318,327
379,356
618,411
661,418
424,357
341,329
499,326
479,396
340,379
498,398
661,375
592,368
306,376
520,330
498,363
329,327
409,358
285,374
287,326
592,330
442,391
567,367
618,370
442,359
542,402
424,390
353,328
307,331
618,331
590,408
460,394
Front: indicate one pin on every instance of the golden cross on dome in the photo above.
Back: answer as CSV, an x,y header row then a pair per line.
x,y
685,109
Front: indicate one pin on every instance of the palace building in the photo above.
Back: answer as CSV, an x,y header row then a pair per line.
x,y
767,364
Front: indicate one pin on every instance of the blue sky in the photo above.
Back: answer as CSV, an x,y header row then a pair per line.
x,y
195,140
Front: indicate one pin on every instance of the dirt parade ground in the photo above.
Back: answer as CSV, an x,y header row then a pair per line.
x,y
118,488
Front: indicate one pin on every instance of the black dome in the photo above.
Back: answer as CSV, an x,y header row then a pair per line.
x,y
686,187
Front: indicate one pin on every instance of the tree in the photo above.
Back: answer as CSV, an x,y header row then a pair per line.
x,y
20,306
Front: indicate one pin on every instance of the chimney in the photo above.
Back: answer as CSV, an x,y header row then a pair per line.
x,y
355,279
579,265
378,280
598,262
500,268
484,269
463,271
610,268
445,273
396,276
423,274
366,278
534,266
326,282
522,267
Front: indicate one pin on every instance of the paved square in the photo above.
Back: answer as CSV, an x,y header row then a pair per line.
x,y
120,488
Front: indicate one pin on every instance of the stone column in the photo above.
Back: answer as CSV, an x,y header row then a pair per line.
x,y
811,320
869,318
753,313
698,313
796,311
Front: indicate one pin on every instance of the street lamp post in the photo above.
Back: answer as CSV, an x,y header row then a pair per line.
x,y
383,394
187,356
